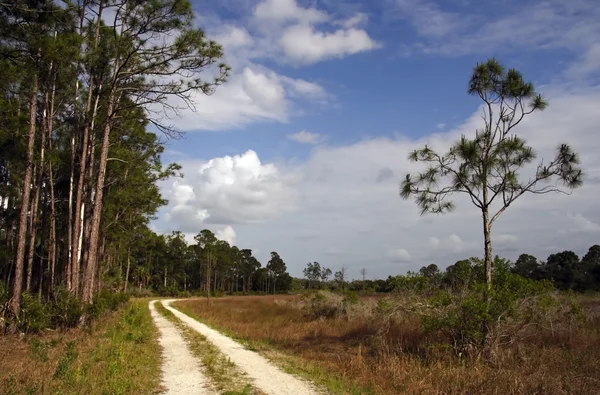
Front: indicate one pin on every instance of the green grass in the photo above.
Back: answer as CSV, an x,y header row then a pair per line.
x,y
224,374
323,378
118,355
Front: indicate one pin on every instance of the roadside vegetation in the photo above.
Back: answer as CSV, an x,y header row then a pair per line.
x,y
224,375
117,354
408,342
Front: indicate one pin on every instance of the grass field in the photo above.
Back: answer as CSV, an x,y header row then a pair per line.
x,y
118,355
359,354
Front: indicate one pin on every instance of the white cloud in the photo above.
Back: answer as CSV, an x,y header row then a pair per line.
x,y
233,37
226,234
305,137
359,19
451,243
229,190
399,255
255,94
504,26
305,88
302,44
440,125
587,66
294,34
582,223
286,11
276,30
428,19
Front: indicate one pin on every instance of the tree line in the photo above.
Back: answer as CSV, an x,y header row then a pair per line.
x,y
167,264
563,270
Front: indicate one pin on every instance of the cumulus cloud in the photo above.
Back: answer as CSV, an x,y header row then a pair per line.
x,y
441,126
234,37
305,137
287,10
255,94
302,44
228,190
226,234
296,34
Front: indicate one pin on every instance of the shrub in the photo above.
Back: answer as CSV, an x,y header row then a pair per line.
x,y
326,304
34,315
65,309
474,326
140,292
4,298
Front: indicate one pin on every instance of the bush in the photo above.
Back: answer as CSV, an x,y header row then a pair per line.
x,y
34,316
65,309
474,326
4,298
326,304
140,292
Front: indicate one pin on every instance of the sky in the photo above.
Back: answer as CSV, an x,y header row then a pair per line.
x,y
303,149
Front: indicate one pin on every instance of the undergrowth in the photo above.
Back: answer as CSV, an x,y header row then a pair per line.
x,y
118,354
548,343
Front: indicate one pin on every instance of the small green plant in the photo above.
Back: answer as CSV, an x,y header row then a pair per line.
x,y
35,316
65,309
64,364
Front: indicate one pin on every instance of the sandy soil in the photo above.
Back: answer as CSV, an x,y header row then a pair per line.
x,y
181,371
266,376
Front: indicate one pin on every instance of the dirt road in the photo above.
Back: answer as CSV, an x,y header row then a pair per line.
x,y
265,376
181,371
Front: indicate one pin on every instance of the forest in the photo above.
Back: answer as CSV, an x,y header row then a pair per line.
x,y
85,89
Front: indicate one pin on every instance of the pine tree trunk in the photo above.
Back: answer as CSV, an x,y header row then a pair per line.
x,y
208,277
52,238
487,240
15,302
91,262
128,267
88,129
32,228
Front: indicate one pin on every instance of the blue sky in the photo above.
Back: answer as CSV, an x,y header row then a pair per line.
x,y
302,150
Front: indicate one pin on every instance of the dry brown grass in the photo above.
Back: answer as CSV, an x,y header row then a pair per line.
x,y
119,355
400,358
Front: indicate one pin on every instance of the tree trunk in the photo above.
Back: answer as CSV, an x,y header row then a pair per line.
x,y
487,240
91,262
88,128
52,238
128,267
15,302
208,277
32,228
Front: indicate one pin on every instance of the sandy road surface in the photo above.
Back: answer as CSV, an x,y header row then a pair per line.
x,y
266,376
181,372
